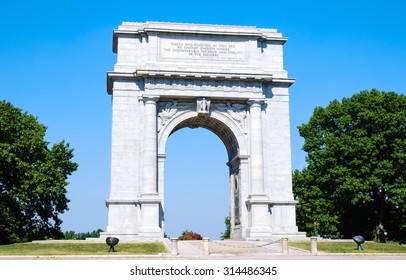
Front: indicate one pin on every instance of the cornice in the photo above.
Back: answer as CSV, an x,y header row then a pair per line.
x,y
144,29
203,75
191,75
112,76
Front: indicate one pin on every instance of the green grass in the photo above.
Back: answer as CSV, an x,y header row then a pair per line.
x,y
46,249
350,247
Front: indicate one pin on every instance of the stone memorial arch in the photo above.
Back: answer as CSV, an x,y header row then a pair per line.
x,y
227,79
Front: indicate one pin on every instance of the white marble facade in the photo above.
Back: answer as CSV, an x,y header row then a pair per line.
x,y
228,79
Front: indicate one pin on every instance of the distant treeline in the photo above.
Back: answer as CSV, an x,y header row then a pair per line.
x,y
71,235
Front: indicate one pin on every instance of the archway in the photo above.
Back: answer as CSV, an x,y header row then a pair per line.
x,y
227,79
196,195
228,131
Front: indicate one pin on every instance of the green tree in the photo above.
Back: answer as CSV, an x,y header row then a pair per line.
x,y
355,181
227,232
92,234
33,178
71,235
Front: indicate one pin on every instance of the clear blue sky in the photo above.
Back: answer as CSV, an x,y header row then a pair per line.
x,y
54,56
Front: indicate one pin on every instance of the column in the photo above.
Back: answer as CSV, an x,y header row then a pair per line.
x,y
256,158
150,146
258,202
149,199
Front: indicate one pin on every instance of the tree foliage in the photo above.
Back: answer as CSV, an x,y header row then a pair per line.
x,y
72,235
33,178
355,181
226,234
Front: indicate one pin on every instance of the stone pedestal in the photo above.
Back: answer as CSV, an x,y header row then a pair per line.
x,y
150,213
313,245
206,246
285,245
259,223
174,247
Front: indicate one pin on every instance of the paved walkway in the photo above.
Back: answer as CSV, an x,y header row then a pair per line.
x,y
232,248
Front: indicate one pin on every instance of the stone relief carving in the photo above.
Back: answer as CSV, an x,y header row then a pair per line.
x,y
166,110
202,106
237,111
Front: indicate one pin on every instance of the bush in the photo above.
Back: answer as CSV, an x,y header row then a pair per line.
x,y
190,235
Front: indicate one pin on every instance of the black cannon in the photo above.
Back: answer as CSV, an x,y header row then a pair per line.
x,y
112,241
359,240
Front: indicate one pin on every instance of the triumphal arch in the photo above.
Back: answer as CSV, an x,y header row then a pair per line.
x,y
227,79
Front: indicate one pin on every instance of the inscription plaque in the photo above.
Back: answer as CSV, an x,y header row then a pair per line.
x,y
202,49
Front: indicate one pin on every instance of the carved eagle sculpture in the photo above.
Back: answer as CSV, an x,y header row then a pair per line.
x,y
237,111
167,113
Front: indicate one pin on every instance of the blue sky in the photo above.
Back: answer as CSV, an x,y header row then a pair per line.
x,y
54,56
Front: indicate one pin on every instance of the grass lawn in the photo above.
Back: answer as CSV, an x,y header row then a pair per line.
x,y
350,247
82,248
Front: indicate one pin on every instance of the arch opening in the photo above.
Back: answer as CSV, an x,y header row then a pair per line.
x,y
232,138
196,183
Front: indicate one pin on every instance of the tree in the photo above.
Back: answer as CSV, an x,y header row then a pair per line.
x,y
355,181
33,178
71,235
227,232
